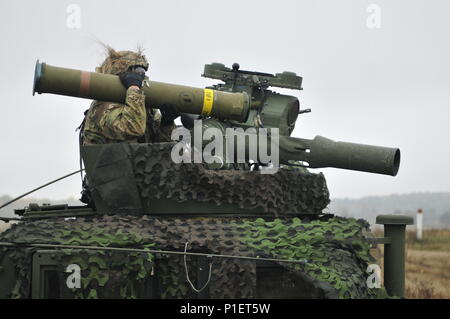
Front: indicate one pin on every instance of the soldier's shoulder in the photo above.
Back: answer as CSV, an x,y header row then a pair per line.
x,y
100,109
102,106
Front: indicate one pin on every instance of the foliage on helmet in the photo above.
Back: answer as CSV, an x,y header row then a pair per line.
x,y
120,61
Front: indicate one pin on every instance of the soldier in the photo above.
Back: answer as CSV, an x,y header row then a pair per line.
x,y
108,122
131,122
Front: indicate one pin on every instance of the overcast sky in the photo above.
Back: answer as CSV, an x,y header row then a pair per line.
x,y
385,86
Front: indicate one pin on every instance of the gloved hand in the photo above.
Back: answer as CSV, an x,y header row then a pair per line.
x,y
131,78
169,113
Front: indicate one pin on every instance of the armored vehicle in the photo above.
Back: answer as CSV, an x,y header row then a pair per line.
x,y
227,226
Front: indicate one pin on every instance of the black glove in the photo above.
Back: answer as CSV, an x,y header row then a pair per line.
x,y
169,113
131,78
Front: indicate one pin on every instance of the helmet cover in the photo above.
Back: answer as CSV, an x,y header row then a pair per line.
x,y
120,61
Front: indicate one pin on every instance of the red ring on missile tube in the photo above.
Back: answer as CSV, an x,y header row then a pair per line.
x,y
85,80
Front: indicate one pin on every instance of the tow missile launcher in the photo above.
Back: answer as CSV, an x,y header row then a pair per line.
x,y
160,229
244,101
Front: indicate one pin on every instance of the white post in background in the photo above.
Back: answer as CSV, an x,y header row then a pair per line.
x,y
419,224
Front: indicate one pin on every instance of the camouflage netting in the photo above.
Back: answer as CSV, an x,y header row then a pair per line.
x,y
335,249
158,177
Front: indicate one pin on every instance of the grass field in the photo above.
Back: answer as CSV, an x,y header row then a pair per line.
x,y
427,264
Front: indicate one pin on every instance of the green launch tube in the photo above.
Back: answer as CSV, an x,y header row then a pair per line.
x,y
323,152
107,87
319,152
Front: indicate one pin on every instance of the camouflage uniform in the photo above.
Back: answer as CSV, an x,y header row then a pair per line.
x,y
108,122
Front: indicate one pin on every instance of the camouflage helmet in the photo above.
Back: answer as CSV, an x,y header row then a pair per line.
x,y
120,61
